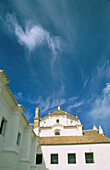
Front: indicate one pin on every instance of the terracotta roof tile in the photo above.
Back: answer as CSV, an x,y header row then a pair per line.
x,y
89,137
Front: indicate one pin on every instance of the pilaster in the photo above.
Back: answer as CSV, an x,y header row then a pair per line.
x,y
26,143
9,152
12,126
25,162
33,150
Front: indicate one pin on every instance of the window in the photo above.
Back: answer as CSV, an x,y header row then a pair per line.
x,y
57,133
57,121
71,158
3,126
54,158
89,158
39,159
18,138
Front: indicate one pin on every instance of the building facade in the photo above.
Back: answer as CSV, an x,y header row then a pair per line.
x,y
18,142
56,141
63,143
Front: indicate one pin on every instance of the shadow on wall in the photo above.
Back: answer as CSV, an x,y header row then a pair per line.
x,y
40,162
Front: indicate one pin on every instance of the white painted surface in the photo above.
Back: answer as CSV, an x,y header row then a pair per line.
x,y
101,157
12,155
68,126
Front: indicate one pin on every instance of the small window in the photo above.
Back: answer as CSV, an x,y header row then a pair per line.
x,y
57,133
54,158
39,159
57,121
89,158
71,158
18,138
3,126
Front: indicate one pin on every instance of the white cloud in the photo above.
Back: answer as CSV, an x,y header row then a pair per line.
x,y
47,104
101,106
85,82
76,104
102,72
54,44
28,115
72,99
19,96
33,36
50,102
84,79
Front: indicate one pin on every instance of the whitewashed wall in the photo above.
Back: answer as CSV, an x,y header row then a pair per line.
x,y
101,157
68,126
12,155
63,119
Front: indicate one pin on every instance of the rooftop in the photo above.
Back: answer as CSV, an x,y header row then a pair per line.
x,y
59,112
89,137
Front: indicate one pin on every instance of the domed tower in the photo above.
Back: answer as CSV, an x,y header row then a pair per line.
x,y
37,121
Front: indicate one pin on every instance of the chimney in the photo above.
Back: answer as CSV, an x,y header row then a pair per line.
x,y
94,127
58,107
37,119
100,130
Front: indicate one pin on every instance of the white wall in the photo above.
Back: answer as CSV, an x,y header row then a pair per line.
x,y
65,120
12,155
64,131
101,157
68,126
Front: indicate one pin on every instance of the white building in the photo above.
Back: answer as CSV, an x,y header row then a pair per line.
x,y
17,139
65,145
57,141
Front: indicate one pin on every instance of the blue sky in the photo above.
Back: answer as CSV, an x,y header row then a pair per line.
x,y
58,50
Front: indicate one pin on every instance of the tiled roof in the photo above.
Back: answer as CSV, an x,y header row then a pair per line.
x,y
89,137
8,81
59,112
2,72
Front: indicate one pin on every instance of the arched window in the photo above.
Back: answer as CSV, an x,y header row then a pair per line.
x,y
57,133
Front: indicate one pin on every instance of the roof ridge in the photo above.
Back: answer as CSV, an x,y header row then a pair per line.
x,y
91,130
85,139
59,111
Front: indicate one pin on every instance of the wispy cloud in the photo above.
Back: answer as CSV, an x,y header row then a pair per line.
x,y
50,102
28,115
101,106
54,44
74,105
85,80
96,80
72,99
102,71
33,36
19,96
